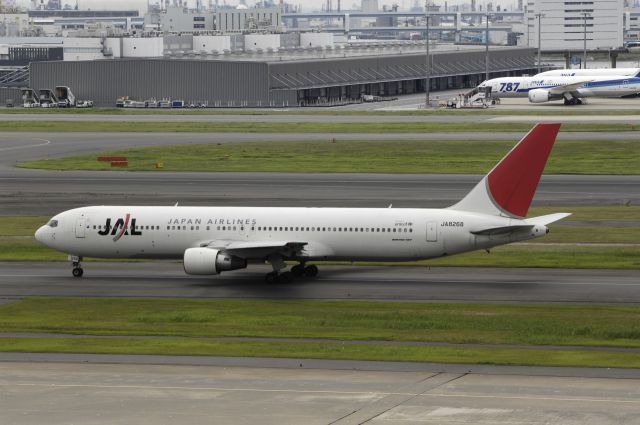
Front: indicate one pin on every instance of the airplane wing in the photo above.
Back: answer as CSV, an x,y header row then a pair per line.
x,y
257,249
568,88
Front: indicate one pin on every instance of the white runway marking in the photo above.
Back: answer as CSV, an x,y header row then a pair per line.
x,y
46,142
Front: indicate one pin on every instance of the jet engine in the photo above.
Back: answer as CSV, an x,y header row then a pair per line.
x,y
207,261
539,96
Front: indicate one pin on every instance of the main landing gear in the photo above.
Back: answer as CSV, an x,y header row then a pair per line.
x,y
573,101
77,269
297,271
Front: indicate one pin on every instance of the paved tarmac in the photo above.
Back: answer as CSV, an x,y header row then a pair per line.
x,y
416,102
319,118
60,393
437,284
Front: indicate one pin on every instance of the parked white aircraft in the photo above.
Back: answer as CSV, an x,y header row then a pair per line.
x,y
594,72
211,240
570,89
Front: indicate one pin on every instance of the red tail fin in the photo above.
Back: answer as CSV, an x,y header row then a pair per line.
x,y
514,180
510,186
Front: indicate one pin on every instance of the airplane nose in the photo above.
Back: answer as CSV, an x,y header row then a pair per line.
x,y
40,234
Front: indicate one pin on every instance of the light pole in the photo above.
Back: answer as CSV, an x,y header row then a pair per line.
x,y
539,16
584,52
427,82
486,53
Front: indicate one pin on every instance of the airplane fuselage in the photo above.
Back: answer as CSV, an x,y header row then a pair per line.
x,y
386,234
597,86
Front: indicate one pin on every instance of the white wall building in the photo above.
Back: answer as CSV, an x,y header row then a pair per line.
x,y
563,24
316,39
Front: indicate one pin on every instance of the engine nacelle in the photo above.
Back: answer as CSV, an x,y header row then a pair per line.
x,y
539,96
207,261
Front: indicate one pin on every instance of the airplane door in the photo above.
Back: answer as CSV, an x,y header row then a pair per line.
x,y
432,231
80,227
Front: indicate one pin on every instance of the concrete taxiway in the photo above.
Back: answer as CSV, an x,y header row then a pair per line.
x,y
92,393
439,284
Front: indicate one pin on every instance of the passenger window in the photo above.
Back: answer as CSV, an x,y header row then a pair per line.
x,y
224,227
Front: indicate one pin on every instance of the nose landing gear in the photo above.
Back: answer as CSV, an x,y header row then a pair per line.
x,y
77,269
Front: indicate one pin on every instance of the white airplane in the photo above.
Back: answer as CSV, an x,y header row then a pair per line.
x,y
594,72
570,89
211,240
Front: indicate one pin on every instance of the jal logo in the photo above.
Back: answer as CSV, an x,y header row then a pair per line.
x,y
122,226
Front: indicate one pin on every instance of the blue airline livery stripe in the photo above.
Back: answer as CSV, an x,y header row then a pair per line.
x,y
591,84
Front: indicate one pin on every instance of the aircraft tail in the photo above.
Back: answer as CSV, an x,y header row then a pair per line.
x,y
509,187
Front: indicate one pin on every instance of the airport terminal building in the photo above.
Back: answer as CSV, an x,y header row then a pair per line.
x,y
296,78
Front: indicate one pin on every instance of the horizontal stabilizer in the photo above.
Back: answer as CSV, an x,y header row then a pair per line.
x,y
502,230
543,220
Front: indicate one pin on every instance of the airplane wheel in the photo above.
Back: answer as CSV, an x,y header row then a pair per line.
x,y
311,271
286,277
271,277
77,272
298,270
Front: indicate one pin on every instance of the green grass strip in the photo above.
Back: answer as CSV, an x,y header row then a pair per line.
x,y
569,325
196,347
569,157
292,127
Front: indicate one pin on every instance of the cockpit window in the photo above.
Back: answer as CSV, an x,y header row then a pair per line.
x,y
53,223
